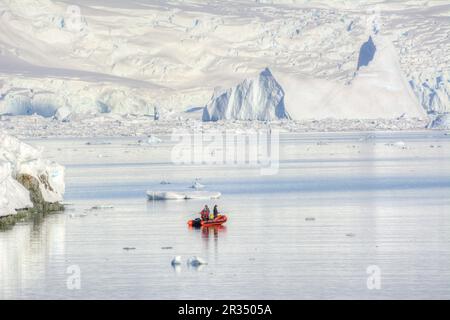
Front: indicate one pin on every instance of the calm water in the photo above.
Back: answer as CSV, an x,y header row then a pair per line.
x,y
311,231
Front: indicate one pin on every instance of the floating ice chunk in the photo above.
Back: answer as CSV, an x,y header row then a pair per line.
x,y
197,185
165,195
196,261
176,261
102,207
400,144
151,140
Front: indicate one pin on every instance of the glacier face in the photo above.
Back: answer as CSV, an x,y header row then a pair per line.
x,y
259,98
433,94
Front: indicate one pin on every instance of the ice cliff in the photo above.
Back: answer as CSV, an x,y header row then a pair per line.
x,y
26,179
441,122
259,98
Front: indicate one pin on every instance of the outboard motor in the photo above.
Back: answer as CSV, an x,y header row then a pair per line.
x,y
197,223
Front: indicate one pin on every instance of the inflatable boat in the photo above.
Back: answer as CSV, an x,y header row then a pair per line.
x,y
221,219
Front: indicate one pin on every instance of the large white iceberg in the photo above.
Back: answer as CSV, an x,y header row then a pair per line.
x,y
259,98
19,160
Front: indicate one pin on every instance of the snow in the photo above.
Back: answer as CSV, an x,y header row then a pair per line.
x,y
12,194
128,58
259,98
377,90
17,158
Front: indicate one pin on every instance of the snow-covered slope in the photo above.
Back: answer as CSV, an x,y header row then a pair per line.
x,y
128,57
258,98
18,158
377,90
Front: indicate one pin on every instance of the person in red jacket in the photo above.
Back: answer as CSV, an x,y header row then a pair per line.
x,y
205,213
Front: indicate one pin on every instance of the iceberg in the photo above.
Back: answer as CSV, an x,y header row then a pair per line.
x,y
26,179
260,98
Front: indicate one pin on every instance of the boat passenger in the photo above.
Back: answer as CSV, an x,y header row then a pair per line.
x,y
205,213
216,211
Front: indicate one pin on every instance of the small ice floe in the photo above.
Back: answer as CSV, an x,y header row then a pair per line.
x,y
367,138
398,144
75,214
97,143
176,261
197,185
102,207
350,235
151,140
196,261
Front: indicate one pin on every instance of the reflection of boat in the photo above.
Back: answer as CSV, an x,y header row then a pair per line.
x,y
221,219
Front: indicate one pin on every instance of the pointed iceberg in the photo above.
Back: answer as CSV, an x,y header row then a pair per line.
x,y
260,98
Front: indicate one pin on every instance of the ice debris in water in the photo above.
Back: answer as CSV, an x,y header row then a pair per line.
x,y
197,185
176,261
196,261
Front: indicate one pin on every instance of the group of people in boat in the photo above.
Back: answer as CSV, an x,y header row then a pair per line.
x,y
207,215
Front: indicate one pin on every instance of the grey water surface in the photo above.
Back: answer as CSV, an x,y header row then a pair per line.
x,y
334,210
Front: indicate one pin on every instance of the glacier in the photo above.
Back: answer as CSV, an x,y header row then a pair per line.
x,y
59,62
377,90
259,98
441,122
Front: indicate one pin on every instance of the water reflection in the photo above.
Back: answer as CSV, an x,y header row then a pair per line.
x,y
26,251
